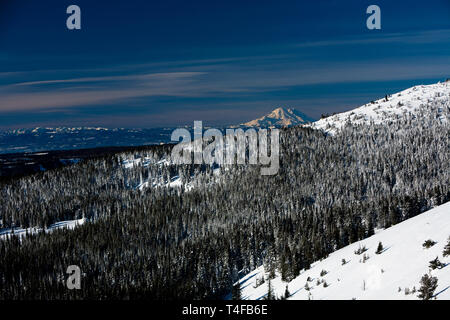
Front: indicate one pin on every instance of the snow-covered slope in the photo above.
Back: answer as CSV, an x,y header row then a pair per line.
x,y
21,232
410,101
401,265
280,117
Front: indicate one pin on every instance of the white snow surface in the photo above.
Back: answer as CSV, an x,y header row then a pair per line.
x,y
21,232
401,265
408,101
144,161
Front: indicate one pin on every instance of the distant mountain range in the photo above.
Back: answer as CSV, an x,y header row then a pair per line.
x,y
63,138
67,138
410,101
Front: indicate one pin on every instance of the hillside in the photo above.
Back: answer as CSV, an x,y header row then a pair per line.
x,y
383,276
21,232
412,101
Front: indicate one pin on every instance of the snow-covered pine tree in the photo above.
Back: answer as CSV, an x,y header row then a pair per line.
x,y
287,294
428,286
307,288
379,248
436,264
428,243
447,248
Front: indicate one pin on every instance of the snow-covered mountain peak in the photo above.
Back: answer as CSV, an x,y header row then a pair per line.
x,y
280,112
280,117
412,101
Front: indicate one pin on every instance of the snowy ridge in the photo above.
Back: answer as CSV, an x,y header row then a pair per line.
x,y
410,101
20,232
401,264
175,182
154,182
144,162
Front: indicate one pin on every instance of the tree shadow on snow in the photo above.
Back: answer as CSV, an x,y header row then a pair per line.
x,y
246,280
441,292
385,249
260,298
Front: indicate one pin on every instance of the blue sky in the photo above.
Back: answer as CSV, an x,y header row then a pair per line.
x,y
163,63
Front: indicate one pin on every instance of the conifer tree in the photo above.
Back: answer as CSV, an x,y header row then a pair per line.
x,y
447,248
287,294
270,295
379,248
436,264
428,243
307,288
428,286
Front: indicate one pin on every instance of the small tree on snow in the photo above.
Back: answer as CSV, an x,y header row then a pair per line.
x,y
365,258
287,294
379,248
307,288
360,250
259,282
447,248
436,264
428,285
428,244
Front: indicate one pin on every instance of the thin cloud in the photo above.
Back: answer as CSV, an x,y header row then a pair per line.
x,y
241,77
131,86
432,36
150,76
234,81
